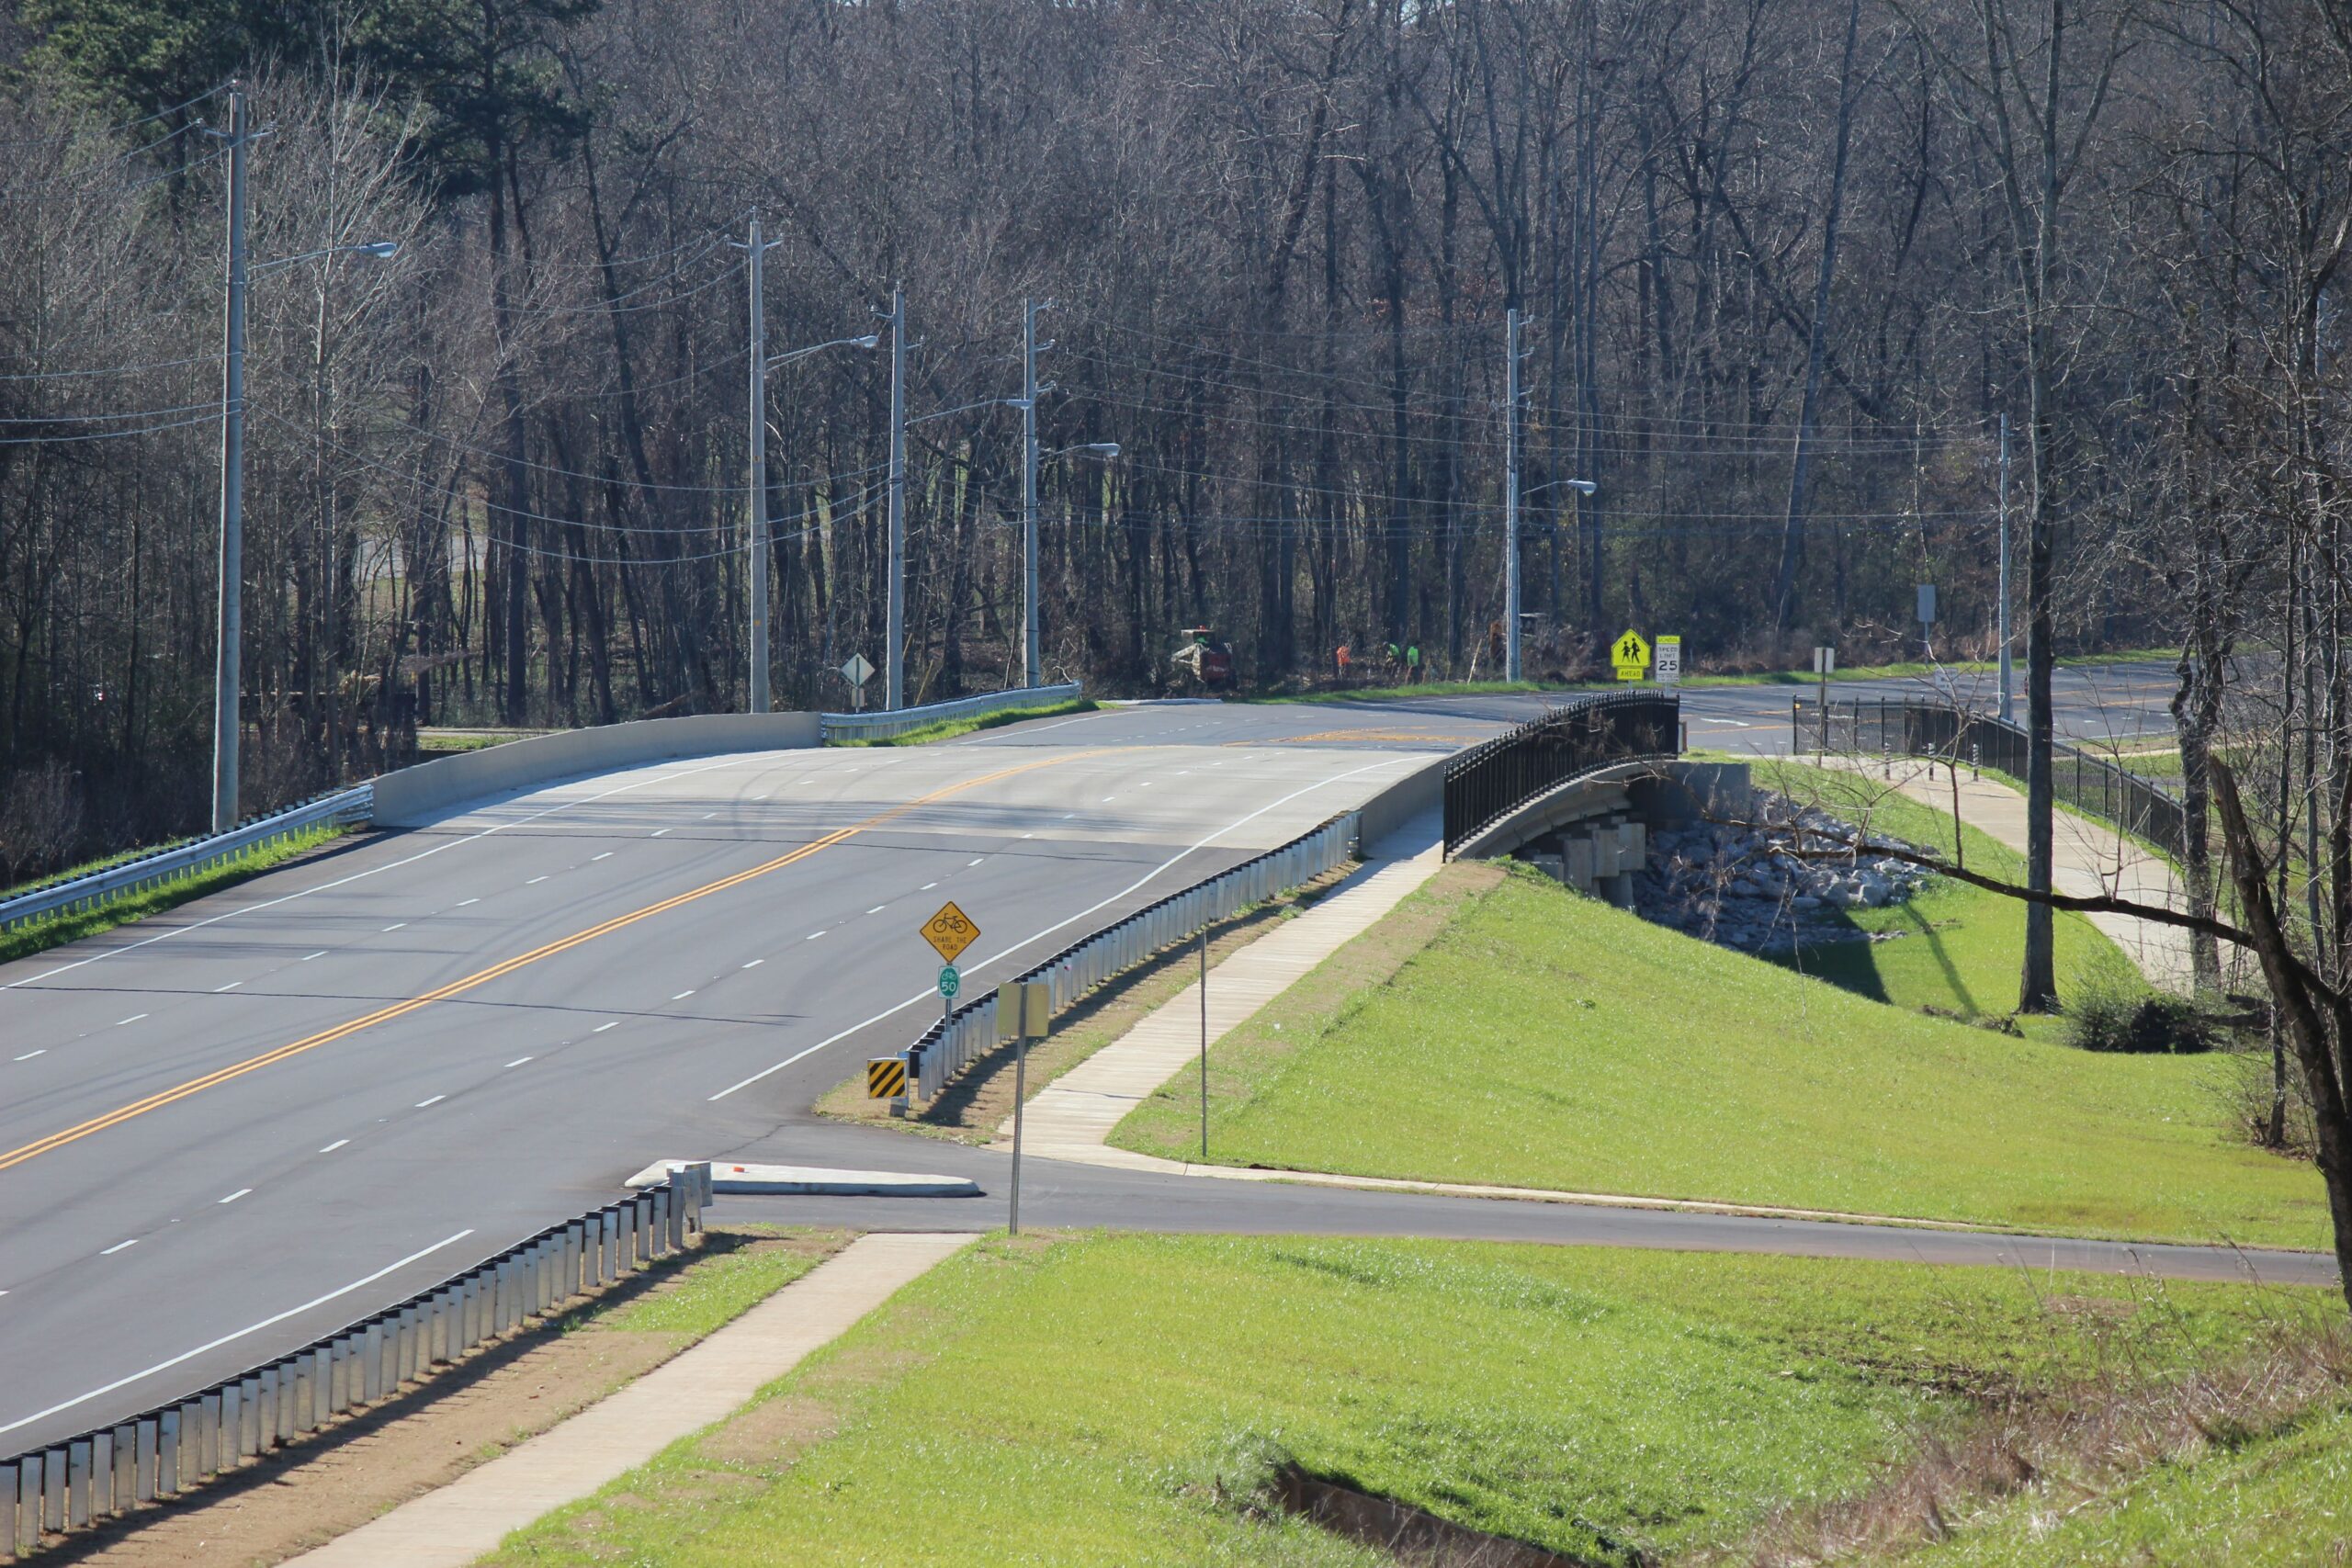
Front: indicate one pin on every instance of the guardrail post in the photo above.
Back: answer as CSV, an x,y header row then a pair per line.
x,y
168,1453
52,1490
608,1222
28,1503
126,1466
103,1489
147,1460
77,1484
249,1440
232,1420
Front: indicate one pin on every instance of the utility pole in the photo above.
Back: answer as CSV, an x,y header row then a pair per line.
x,y
228,724
894,657
1032,658
2007,701
758,476
1511,495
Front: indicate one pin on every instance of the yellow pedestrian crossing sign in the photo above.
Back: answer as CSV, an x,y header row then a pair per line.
x,y
1631,655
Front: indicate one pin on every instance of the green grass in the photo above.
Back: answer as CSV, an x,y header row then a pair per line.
x,y
729,1278
1963,946
1546,1040
2280,1500
949,729
88,867
56,931
1423,689
1122,1400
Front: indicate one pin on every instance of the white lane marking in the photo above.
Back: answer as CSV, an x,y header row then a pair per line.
x,y
878,908
729,760
134,1017
30,1054
658,831
756,963
1068,815
813,935
1106,800
594,859
237,1194
708,814
396,925
1144,784
518,1061
927,887
974,861
435,1100
463,902
602,1027
229,986
1028,835
240,1334
110,1251
308,957
537,880
336,1144
682,996
1035,937
811,779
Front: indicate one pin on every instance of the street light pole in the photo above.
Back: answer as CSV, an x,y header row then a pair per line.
x,y
758,476
1510,496
894,657
1031,660
227,723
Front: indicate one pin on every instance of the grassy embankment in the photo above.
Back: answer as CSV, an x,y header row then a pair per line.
x,y
56,931
949,729
1541,1039
1125,1399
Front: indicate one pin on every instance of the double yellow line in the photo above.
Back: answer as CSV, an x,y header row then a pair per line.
x,y
507,966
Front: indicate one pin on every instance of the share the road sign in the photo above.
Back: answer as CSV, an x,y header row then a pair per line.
x,y
886,1078
1631,655
950,931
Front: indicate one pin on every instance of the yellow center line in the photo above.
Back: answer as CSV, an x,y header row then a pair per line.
x,y
506,966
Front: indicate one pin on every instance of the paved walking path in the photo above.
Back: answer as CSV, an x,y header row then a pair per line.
x,y
455,1523
2087,859
1071,1117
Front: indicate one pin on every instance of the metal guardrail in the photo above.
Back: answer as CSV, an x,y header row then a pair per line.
x,y
1488,782
951,1046
98,888
1907,726
883,726
174,1449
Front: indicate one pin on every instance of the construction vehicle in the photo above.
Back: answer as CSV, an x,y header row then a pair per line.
x,y
1206,659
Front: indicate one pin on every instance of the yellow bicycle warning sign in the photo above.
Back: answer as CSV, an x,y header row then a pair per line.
x,y
950,931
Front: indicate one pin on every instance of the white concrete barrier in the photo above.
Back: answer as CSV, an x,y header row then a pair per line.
x,y
412,796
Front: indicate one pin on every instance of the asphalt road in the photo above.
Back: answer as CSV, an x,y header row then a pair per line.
x,y
234,1127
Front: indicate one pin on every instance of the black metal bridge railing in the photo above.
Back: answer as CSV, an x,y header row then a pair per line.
x,y
1490,781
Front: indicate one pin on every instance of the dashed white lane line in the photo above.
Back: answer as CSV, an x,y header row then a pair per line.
x,y
602,1027
927,887
237,1194
878,908
396,925
594,859
813,935
975,860
756,963
1106,800
336,1144
229,986
30,1054
134,1017
306,958
682,996
1068,815
230,1337
537,880
658,831
518,1061
463,902
118,1246
435,1100
708,814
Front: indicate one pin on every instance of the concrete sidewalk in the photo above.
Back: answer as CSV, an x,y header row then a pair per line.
x,y
1072,1117
2087,859
455,1523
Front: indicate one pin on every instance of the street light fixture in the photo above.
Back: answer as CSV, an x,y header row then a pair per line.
x,y
762,362
227,719
1032,653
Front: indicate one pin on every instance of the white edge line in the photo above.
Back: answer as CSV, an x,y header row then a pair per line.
x,y
240,1334
1040,936
730,759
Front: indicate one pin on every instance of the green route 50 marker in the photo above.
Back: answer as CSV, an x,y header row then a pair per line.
x,y
950,982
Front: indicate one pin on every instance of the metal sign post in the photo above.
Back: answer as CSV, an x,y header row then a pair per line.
x,y
857,671
1021,1016
1204,1042
1824,659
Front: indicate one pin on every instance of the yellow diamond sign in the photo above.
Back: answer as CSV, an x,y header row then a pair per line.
x,y
1631,655
950,931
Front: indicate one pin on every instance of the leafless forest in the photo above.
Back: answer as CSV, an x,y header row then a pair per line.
x,y
1788,265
